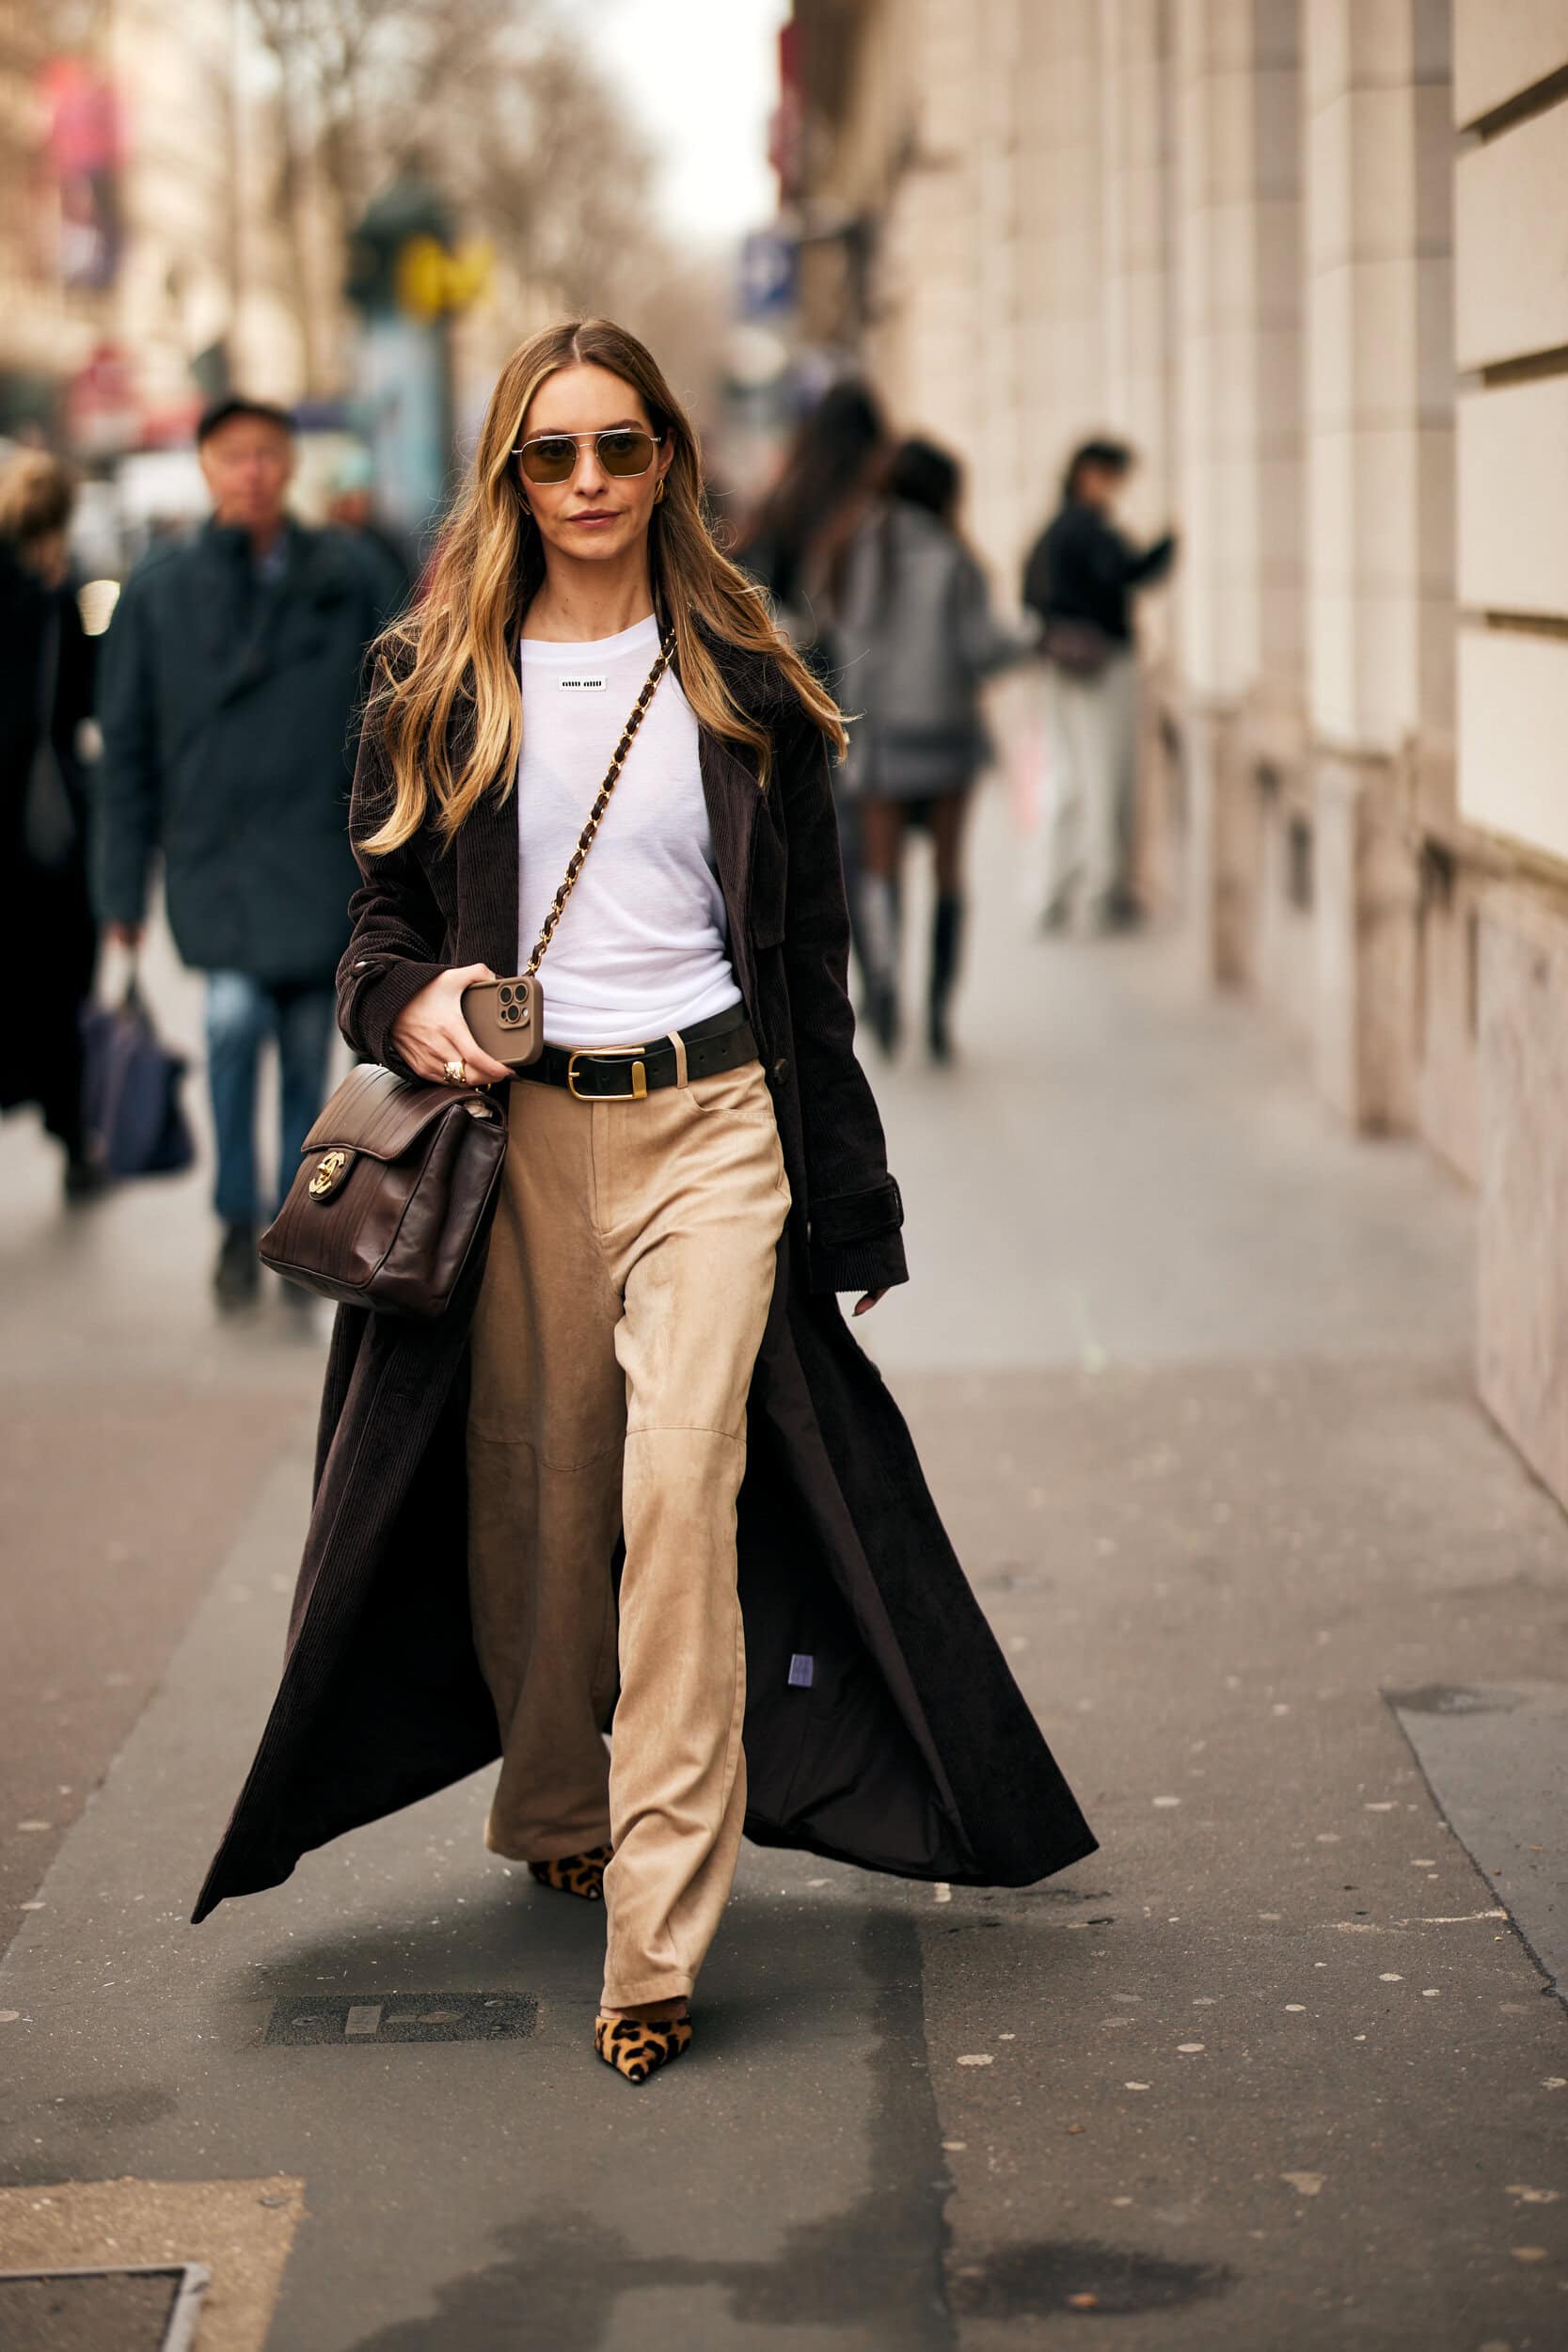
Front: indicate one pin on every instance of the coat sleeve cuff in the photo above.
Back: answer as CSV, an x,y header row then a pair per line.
x,y
374,998
855,1240
867,1265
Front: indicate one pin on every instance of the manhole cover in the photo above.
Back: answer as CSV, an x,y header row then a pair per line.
x,y
88,2311
297,2020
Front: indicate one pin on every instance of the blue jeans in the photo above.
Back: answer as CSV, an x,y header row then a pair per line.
x,y
242,1013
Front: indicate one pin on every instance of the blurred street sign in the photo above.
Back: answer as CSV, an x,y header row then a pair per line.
x,y
769,272
407,213
81,162
430,279
787,132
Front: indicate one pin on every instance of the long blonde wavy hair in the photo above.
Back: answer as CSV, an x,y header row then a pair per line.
x,y
456,651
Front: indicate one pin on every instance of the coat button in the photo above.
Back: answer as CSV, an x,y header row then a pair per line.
x,y
781,1071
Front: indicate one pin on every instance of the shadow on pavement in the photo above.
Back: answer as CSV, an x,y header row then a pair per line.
x,y
875,2265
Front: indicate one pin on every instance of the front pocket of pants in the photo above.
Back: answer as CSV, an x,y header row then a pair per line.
x,y
733,1094
740,1097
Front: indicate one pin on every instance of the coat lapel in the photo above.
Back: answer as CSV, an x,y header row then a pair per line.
x,y
486,851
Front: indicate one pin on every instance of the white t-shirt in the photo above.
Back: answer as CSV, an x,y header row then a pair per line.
x,y
641,947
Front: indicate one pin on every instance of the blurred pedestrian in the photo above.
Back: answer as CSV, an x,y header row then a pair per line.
x,y
352,507
48,938
232,679
918,639
673,1218
1080,578
798,536
796,547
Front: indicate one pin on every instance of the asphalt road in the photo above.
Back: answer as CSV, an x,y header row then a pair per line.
x,y
1275,2070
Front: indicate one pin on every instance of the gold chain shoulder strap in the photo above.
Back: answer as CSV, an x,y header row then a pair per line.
x,y
596,814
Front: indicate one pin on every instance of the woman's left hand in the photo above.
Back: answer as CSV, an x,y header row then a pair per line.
x,y
864,1305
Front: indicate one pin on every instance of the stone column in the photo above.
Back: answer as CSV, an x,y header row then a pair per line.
x,y
1060,274
1236,109
1137,179
1380,456
1135,182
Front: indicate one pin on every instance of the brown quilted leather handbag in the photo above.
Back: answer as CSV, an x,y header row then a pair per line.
x,y
392,1194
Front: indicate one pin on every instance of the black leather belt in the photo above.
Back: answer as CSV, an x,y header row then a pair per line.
x,y
624,1073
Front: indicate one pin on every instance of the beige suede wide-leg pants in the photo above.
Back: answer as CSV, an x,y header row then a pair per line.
x,y
626,1293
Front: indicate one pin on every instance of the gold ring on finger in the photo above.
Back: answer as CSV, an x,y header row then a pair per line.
x,y
455,1073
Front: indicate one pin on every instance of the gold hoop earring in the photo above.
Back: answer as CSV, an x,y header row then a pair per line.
x,y
527,508
658,494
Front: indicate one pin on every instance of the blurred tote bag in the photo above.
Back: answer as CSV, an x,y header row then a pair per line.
x,y
131,1091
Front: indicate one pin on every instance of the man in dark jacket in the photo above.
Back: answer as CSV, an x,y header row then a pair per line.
x,y
230,681
1080,578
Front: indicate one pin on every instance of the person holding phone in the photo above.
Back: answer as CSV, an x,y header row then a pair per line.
x,y
589,736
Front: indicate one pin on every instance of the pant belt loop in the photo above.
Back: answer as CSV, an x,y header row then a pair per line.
x,y
679,1044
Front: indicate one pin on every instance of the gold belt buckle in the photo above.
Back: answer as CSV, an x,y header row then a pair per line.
x,y
608,1052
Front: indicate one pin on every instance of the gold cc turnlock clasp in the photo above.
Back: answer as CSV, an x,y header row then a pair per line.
x,y
330,1171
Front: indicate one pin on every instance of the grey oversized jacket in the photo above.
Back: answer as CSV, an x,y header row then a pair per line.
x,y
917,639
228,706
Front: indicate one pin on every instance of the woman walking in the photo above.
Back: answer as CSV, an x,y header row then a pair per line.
x,y
798,537
796,548
651,1359
918,639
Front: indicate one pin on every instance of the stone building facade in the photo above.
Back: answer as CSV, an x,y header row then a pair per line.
x,y
1313,257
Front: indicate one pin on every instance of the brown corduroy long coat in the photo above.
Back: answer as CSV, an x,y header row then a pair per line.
x,y
902,1744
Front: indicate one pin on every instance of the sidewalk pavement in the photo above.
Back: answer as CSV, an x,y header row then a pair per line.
x,y
1273,2071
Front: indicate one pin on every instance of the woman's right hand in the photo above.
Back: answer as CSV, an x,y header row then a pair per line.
x,y
430,1031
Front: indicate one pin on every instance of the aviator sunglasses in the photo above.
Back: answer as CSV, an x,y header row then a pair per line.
x,y
623,451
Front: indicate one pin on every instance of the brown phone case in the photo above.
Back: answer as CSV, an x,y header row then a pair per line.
x,y
506,1018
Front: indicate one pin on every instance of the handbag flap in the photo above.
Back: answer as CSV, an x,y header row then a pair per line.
x,y
376,1112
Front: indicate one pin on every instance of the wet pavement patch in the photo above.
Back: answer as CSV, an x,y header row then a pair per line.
x,y
1078,2275
297,2021
87,2310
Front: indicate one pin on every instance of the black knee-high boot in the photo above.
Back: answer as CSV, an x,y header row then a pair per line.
x,y
946,938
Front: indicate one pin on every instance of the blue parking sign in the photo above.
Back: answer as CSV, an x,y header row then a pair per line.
x,y
770,259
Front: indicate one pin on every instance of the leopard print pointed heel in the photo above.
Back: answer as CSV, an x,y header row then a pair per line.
x,y
637,2049
580,1874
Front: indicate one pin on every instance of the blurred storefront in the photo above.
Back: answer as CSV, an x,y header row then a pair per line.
x,y
1311,256
166,234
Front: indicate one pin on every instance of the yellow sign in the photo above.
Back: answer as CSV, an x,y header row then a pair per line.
x,y
432,280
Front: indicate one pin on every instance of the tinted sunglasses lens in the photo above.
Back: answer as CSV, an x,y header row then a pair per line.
x,y
551,460
624,453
